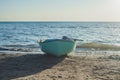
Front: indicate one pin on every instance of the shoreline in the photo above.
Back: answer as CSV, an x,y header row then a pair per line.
x,y
40,66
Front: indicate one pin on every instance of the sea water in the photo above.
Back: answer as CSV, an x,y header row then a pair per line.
x,y
23,36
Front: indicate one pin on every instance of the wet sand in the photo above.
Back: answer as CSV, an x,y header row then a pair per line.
x,y
45,67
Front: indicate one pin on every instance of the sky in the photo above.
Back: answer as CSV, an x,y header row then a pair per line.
x,y
59,10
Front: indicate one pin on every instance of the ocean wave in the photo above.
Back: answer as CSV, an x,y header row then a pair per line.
x,y
22,48
98,46
15,49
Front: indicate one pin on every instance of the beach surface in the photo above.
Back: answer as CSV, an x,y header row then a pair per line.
x,y
45,67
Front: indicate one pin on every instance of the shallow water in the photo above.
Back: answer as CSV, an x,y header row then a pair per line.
x,y
23,36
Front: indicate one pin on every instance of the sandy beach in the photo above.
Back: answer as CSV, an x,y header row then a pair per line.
x,y
45,67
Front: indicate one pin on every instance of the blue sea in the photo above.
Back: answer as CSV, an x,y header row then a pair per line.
x,y
23,36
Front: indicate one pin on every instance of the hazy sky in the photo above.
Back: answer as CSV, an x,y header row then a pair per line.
x,y
59,10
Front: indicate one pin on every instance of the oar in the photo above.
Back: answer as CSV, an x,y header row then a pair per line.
x,y
77,39
39,41
65,37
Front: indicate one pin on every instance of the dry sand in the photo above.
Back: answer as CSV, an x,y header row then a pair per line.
x,y
44,67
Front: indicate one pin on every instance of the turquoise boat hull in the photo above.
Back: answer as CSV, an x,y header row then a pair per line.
x,y
57,47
